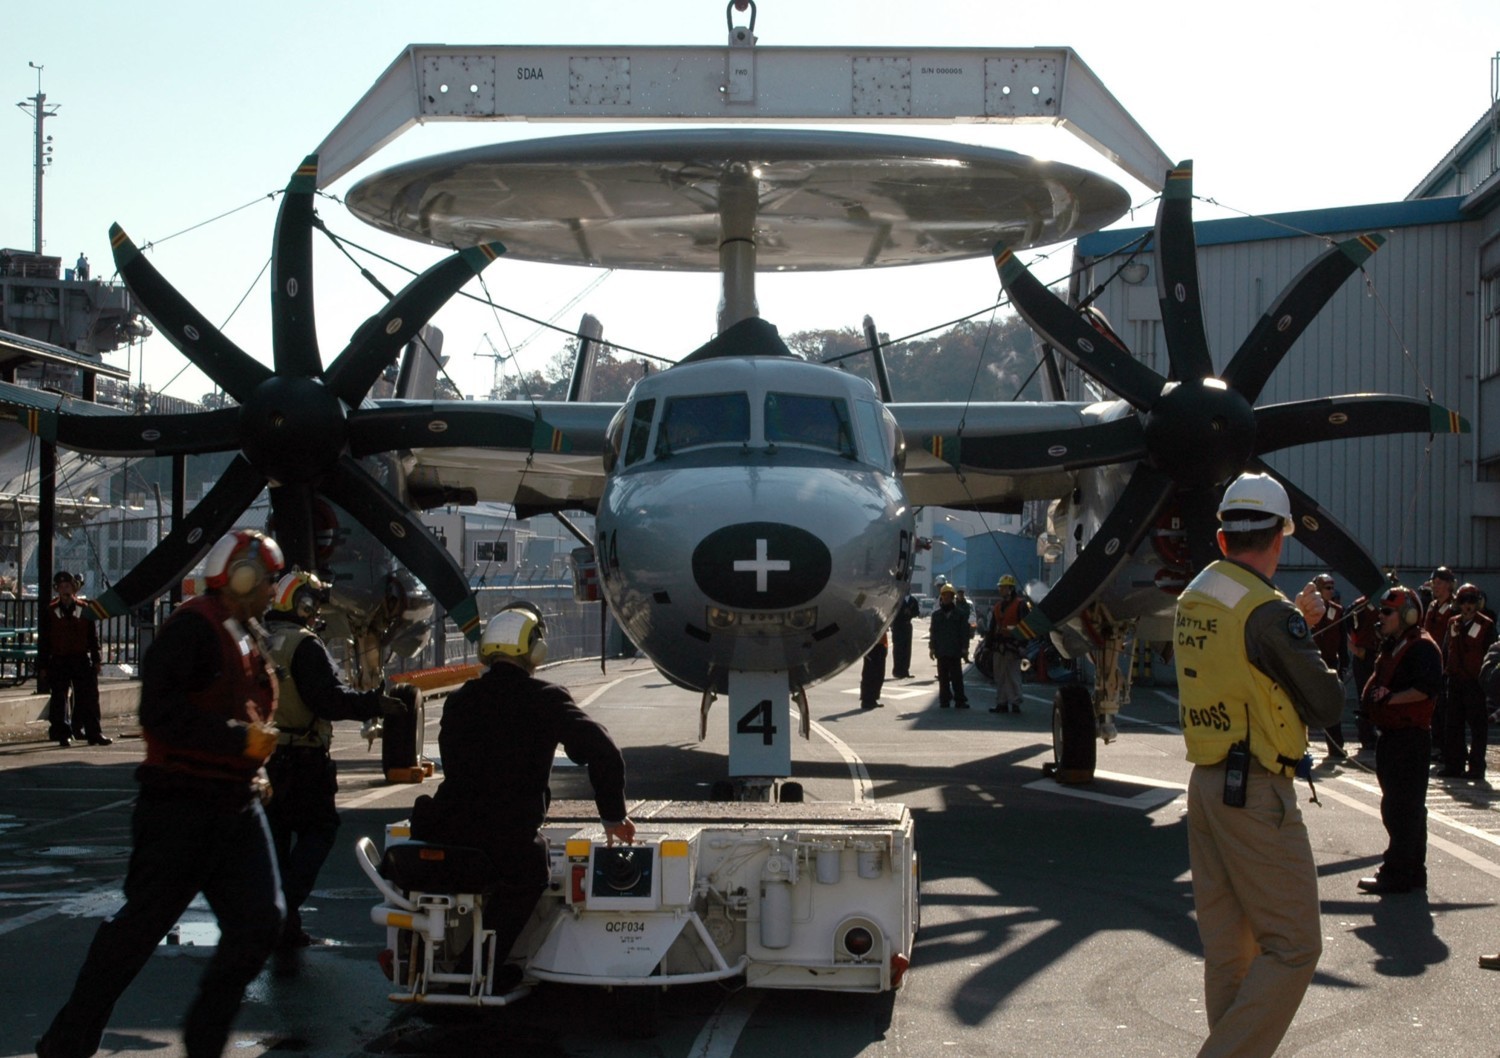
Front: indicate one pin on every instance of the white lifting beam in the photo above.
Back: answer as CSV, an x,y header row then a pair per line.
x,y
599,83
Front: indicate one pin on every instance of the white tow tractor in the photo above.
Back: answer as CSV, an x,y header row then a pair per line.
x,y
818,896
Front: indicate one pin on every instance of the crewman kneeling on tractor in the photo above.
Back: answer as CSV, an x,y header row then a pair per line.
x,y
304,778
498,736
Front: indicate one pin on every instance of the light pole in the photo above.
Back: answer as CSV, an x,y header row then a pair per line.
x,y
40,112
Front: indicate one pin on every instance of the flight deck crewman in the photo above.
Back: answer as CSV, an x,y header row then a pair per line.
x,y
304,822
498,736
1251,681
207,697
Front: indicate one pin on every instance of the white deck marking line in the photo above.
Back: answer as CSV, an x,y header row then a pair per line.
x,y
895,696
863,787
720,1034
84,904
1458,852
1160,791
1446,820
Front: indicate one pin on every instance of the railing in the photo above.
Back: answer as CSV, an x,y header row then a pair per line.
x,y
572,627
119,639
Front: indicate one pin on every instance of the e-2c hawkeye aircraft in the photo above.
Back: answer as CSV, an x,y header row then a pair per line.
x,y
754,511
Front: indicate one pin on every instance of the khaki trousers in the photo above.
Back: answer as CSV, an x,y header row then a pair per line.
x,y
1255,888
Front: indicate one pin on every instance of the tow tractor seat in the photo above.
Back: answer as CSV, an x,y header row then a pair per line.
x,y
416,866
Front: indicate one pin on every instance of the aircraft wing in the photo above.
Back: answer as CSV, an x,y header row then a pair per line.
x,y
562,468
993,456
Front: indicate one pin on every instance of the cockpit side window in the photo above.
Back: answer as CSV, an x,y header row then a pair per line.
x,y
640,431
690,422
821,422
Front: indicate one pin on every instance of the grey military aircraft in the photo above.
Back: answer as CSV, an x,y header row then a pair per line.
x,y
755,512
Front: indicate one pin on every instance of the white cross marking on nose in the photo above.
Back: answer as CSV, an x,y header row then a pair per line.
x,y
761,565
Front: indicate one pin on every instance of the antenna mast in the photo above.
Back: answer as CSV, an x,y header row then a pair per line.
x,y
40,111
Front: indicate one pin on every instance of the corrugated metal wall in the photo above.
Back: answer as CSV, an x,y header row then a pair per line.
x,y
1410,329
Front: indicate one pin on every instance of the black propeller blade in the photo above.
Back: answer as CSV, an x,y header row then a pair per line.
x,y
143,435
1283,323
226,364
1177,278
379,340
1124,528
1356,415
292,526
294,334
355,490
1321,533
1074,337
214,516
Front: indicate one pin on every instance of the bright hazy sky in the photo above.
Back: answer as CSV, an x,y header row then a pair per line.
x,y
173,112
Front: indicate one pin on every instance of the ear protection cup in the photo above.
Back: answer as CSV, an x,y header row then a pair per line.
x,y
244,575
1406,604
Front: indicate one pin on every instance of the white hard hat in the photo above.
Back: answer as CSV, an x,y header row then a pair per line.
x,y
516,632
1257,494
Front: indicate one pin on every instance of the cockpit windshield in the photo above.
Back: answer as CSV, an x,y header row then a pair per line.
x,y
820,422
690,422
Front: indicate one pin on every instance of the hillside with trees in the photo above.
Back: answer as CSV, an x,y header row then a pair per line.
x,y
970,361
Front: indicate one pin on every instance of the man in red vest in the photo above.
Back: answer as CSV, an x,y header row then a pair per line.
x,y
207,697
1400,698
1469,636
74,663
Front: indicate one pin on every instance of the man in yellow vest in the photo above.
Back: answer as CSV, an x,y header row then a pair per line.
x,y
1250,682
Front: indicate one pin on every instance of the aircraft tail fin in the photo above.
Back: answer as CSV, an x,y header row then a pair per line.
x,y
590,344
877,355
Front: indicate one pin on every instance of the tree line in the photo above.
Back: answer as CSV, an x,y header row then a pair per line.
x,y
970,361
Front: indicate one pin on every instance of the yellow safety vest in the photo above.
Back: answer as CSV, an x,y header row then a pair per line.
x,y
1219,690
299,727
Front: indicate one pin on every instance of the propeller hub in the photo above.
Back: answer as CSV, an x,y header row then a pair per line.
x,y
293,429
1200,432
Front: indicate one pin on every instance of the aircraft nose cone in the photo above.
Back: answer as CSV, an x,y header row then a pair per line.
x,y
761,566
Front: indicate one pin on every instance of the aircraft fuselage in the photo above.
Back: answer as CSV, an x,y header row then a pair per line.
x,y
754,520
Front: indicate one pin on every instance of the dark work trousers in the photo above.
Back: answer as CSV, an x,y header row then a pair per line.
x,y
1363,668
75,671
950,674
182,846
1440,724
1401,767
304,823
510,903
1466,715
872,676
901,650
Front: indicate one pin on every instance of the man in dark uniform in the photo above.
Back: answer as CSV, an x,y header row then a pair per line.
x,y
207,697
1469,636
1399,698
304,778
498,736
909,609
948,634
1439,611
872,675
73,662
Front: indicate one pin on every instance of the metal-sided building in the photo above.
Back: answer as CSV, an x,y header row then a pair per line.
x,y
1422,319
